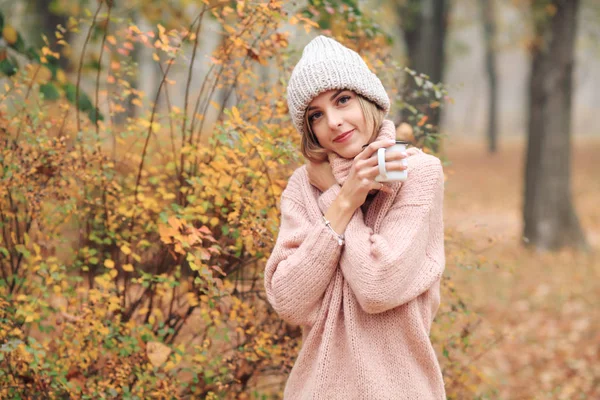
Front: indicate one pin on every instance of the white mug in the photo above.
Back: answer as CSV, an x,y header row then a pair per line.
x,y
391,176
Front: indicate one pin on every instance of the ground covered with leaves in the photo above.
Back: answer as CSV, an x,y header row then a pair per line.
x,y
538,311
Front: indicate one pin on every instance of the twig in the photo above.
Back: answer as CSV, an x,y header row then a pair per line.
x,y
79,70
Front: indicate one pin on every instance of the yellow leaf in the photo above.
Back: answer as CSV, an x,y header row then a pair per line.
x,y
192,299
229,29
113,273
157,353
169,196
193,266
155,57
125,249
60,76
128,267
111,39
10,34
109,263
236,114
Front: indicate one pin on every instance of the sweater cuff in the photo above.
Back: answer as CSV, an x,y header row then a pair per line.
x,y
327,197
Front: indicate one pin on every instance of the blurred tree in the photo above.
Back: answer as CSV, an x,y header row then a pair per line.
x,y
50,16
549,217
424,24
488,17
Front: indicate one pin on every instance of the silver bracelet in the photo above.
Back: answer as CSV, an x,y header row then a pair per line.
x,y
340,238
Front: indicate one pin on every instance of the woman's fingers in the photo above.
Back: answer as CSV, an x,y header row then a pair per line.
x,y
381,187
372,172
395,166
386,189
389,156
373,147
413,151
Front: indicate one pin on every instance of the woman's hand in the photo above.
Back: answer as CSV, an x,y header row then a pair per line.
x,y
413,151
320,175
364,169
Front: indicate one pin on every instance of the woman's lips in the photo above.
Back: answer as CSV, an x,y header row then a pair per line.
x,y
344,137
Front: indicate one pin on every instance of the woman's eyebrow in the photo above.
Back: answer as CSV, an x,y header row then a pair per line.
x,y
330,99
335,95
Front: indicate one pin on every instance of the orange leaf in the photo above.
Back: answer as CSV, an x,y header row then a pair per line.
x,y
218,269
204,254
175,223
204,229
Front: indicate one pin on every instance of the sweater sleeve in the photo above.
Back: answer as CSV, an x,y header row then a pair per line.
x,y
406,256
302,264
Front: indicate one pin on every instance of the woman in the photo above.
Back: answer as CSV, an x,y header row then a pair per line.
x,y
357,263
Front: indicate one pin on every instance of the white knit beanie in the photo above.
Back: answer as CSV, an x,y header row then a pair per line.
x,y
327,65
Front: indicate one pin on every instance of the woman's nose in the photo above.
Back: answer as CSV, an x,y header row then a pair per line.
x,y
334,120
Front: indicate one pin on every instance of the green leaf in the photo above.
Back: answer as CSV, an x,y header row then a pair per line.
x,y
7,67
19,45
84,104
49,91
95,115
32,53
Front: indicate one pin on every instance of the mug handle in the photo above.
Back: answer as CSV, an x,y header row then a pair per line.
x,y
381,162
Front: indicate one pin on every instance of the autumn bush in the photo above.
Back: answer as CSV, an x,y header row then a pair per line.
x,y
133,242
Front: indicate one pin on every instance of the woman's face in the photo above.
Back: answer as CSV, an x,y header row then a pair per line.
x,y
338,122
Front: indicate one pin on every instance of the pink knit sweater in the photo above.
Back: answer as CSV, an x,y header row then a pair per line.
x,y
366,307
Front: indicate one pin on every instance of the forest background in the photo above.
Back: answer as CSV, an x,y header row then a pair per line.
x,y
144,146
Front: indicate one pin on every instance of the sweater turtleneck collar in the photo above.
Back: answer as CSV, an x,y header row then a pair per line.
x,y
340,166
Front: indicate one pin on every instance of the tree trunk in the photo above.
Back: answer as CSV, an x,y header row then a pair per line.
x,y
489,29
424,25
550,221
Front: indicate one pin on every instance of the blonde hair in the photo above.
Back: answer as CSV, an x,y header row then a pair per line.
x,y
312,150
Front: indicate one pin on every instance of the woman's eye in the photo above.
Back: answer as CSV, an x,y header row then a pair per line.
x,y
314,116
344,99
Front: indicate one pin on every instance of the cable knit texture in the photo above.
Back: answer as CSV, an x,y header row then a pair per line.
x,y
365,308
326,65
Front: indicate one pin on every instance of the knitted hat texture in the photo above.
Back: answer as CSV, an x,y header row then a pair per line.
x,y
325,65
